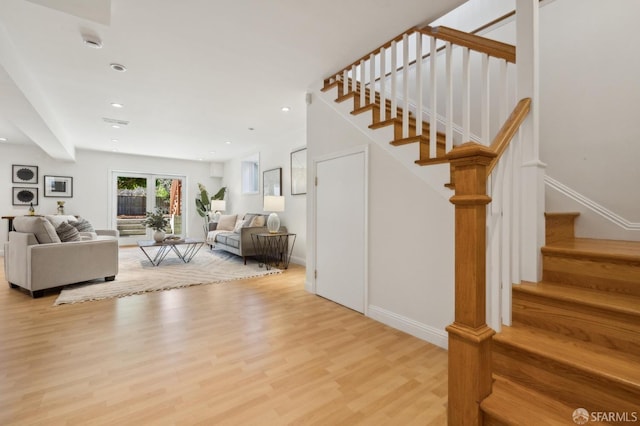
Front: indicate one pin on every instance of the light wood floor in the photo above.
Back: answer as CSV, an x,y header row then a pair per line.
x,y
259,351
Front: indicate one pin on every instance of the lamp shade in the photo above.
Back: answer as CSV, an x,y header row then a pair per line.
x,y
273,203
218,205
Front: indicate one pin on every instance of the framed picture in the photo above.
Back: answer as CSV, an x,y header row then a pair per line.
x,y
25,196
24,174
272,182
58,186
299,172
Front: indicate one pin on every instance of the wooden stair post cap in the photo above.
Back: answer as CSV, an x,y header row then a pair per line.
x,y
470,149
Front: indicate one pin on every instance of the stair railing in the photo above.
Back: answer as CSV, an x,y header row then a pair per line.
x,y
469,336
392,77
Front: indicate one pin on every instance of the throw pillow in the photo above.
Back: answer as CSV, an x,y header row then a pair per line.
x,y
67,232
83,225
227,222
43,230
57,219
257,221
239,225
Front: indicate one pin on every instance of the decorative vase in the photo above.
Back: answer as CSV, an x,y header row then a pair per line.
x,y
158,236
60,207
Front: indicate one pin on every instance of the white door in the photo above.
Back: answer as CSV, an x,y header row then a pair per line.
x,y
341,229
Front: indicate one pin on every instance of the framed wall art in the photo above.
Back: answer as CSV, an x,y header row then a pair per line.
x,y
272,182
25,196
299,172
24,174
58,186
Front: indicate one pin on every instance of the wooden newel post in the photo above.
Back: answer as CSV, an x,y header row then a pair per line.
x,y
469,335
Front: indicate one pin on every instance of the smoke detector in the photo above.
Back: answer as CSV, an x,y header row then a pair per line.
x,y
92,41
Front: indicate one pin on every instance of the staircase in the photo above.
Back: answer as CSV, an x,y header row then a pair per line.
x,y
373,106
575,338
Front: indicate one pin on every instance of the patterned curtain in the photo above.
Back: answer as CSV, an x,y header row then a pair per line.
x,y
175,197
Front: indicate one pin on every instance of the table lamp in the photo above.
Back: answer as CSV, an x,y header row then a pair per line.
x,y
218,206
273,203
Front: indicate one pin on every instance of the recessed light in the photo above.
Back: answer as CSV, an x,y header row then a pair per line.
x,y
251,128
212,152
91,41
116,105
228,142
3,139
199,159
118,67
115,126
114,140
115,150
285,109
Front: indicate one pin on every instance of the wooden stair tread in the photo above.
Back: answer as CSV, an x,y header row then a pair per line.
x,y
512,404
615,366
596,249
606,300
430,161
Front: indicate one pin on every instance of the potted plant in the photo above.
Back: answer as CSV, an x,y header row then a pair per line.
x,y
203,204
158,222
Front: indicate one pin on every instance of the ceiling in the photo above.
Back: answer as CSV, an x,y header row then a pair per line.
x,y
205,80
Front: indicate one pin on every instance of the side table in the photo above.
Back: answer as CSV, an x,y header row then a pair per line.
x,y
274,249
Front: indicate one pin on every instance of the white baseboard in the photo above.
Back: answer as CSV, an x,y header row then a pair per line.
x,y
415,328
298,260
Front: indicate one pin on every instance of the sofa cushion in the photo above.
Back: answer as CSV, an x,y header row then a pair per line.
x,y
239,225
227,222
83,225
43,230
232,240
67,232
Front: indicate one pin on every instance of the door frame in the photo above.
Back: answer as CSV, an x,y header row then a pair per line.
x,y
364,149
113,197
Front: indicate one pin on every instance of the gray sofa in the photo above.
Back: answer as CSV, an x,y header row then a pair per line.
x,y
236,238
36,259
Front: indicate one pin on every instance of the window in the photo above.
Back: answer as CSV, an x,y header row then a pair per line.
x,y
250,172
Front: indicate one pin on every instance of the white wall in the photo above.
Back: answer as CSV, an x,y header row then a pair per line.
x,y
294,216
410,233
91,182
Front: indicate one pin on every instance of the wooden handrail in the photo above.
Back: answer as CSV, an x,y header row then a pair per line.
x,y
508,130
474,42
377,50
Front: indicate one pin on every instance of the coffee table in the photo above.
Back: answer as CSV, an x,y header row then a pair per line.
x,y
185,249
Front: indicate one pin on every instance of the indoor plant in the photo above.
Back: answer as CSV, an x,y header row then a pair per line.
x,y
203,203
158,222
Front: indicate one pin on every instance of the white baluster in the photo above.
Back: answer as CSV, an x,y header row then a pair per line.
x,y
361,81
383,84
433,126
345,82
466,96
394,79
354,77
449,113
419,77
485,107
372,79
405,86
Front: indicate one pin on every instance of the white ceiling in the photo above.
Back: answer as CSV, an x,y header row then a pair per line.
x,y
199,72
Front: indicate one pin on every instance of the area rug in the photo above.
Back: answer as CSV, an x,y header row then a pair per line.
x,y
137,275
